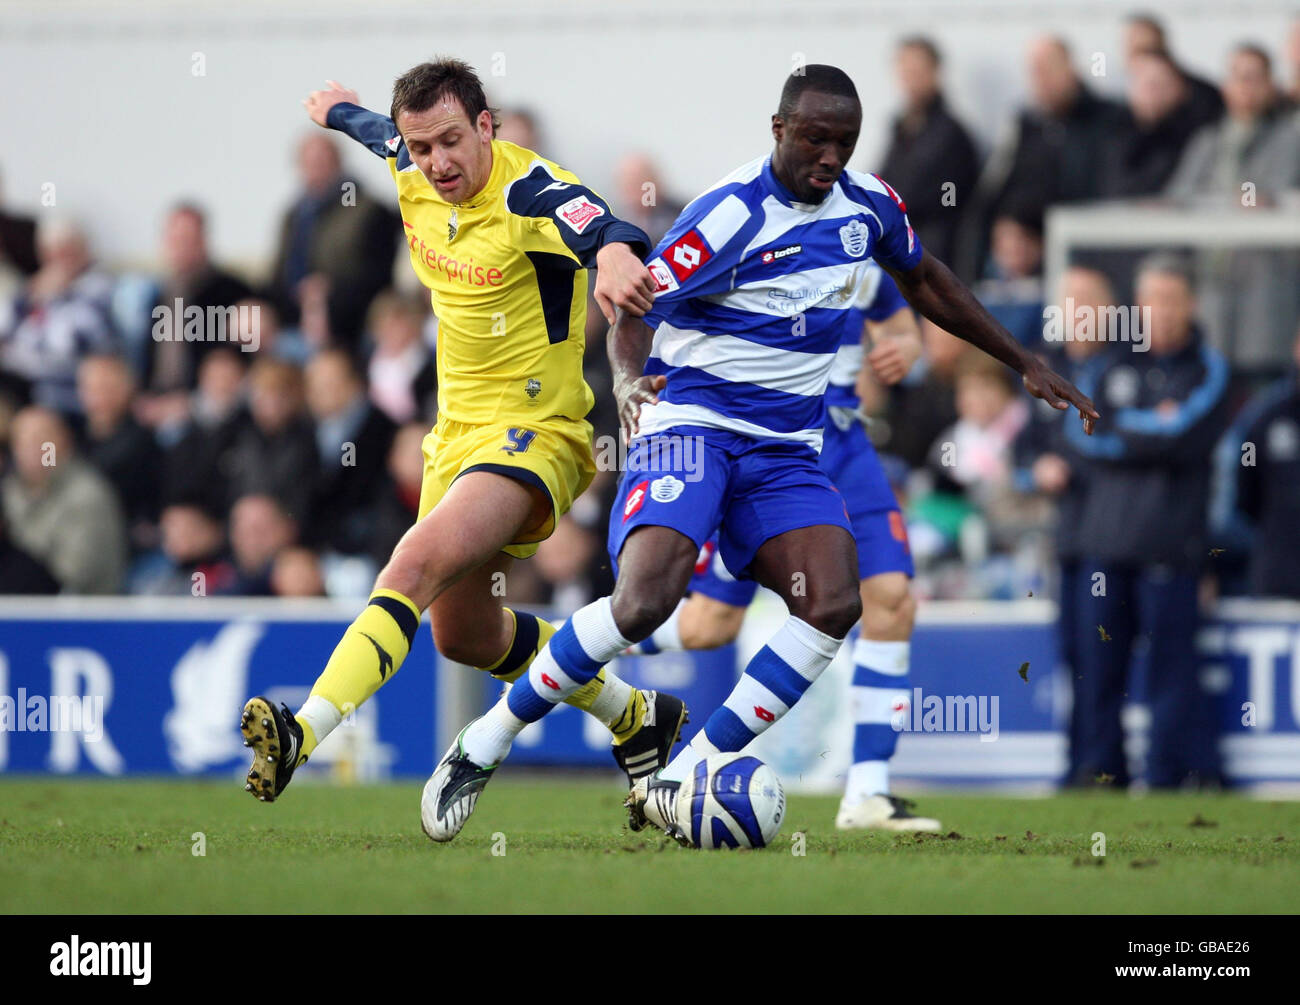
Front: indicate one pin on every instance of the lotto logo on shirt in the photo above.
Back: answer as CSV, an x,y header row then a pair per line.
x,y
578,213
687,255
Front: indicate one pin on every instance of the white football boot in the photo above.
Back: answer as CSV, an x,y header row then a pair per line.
x,y
451,792
881,812
652,800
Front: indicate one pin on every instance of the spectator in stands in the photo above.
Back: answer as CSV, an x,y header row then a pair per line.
x,y
296,572
519,126
562,562
61,316
1249,299
352,441
1047,464
1255,142
337,246
1161,119
1039,161
259,328
199,461
641,197
1013,292
922,405
17,244
20,573
193,561
190,277
402,375
260,529
61,510
124,451
1264,454
1292,92
275,454
931,159
1144,34
974,457
399,502
1142,537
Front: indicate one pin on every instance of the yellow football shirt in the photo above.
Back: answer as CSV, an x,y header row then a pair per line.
x,y
507,271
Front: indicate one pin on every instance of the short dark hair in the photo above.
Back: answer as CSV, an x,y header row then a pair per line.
x,y
189,207
925,44
1258,51
1149,20
420,87
814,77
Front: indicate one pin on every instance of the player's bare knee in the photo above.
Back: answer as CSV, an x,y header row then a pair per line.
x,y
707,624
639,611
465,648
833,611
888,607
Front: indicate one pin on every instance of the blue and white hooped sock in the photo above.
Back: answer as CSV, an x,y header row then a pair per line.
x,y
880,697
774,680
572,657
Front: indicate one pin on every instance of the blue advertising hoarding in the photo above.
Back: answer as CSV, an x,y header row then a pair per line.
x,y
155,687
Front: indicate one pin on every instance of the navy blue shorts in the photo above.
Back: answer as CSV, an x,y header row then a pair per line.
x,y
702,482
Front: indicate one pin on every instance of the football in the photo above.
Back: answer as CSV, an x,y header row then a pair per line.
x,y
730,801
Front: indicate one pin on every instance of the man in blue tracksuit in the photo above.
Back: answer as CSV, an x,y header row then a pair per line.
x,y
1142,537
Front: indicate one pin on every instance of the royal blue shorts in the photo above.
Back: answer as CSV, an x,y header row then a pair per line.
x,y
702,482
850,461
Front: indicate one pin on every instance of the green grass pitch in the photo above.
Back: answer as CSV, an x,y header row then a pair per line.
x,y
81,846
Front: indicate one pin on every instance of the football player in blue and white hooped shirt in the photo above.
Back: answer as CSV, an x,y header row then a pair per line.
x,y
714,611
720,389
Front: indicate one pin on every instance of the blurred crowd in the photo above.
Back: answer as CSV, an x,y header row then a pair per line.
x,y
144,454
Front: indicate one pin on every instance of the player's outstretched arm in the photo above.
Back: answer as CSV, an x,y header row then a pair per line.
x,y
940,296
339,107
628,346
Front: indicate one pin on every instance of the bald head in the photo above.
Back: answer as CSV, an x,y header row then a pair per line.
x,y
318,162
1052,80
40,441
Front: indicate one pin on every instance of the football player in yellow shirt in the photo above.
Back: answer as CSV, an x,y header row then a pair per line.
x,y
502,238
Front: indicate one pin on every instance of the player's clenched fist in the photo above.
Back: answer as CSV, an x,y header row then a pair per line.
x,y
631,395
893,357
319,103
622,281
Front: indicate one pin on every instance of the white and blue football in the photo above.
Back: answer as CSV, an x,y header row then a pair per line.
x,y
730,801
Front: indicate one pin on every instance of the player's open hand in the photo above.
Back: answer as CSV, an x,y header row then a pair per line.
x,y
630,395
319,103
622,281
1042,382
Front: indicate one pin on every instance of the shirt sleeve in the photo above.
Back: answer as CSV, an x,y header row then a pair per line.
x,y
897,245
377,133
887,302
698,255
572,214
